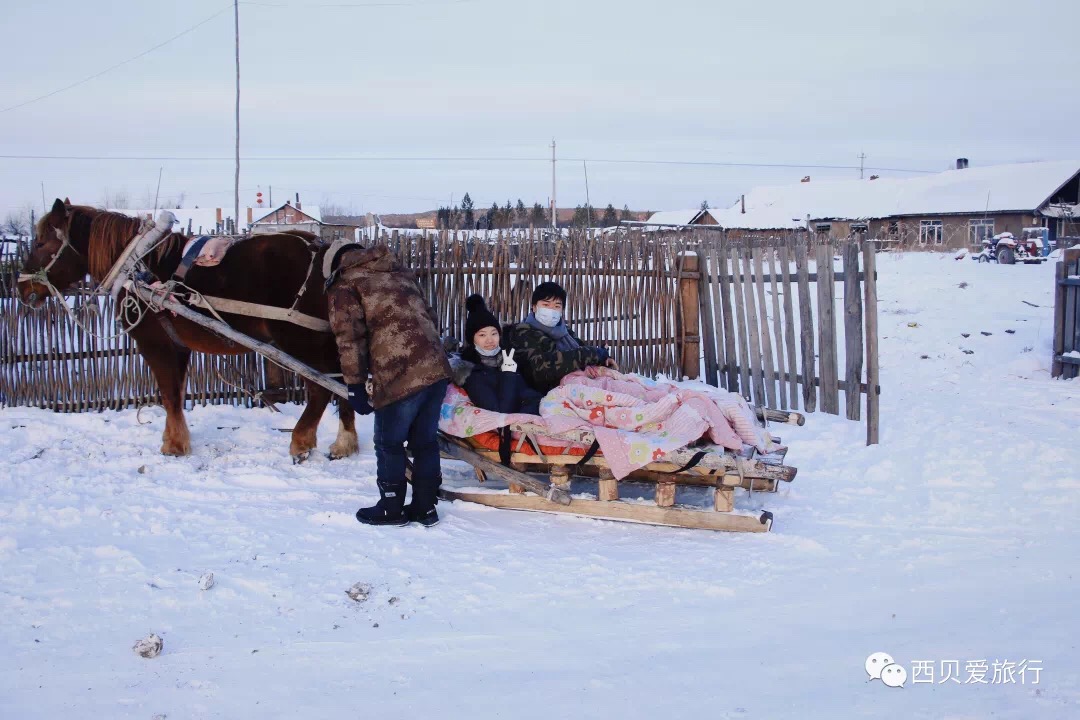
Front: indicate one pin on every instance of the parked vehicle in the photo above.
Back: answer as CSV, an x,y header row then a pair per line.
x,y
1005,249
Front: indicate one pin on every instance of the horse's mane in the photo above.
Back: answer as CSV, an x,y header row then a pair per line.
x,y
109,234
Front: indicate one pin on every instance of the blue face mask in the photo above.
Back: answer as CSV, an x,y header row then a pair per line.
x,y
547,316
489,353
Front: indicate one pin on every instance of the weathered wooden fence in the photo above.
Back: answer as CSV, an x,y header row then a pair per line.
x,y
749,313
1067,316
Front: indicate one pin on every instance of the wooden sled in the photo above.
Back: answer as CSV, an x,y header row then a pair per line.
x,y
722,473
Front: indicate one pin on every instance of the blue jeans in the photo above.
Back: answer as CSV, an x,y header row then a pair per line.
x,y
414,419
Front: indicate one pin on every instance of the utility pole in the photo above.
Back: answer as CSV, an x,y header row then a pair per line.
x,y
554,203
862,160
157,193
236,179
588,205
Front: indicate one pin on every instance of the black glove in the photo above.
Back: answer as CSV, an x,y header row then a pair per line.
x,y
358,398
604,355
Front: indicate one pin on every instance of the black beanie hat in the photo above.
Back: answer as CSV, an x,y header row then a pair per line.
x,y
547,291
477,318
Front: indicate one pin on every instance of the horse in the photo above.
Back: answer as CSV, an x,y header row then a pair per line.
x,y
75,240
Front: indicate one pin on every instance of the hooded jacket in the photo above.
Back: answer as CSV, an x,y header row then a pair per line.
x,y
383,326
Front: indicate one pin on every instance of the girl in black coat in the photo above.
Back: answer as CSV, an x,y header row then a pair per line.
x,y
492,382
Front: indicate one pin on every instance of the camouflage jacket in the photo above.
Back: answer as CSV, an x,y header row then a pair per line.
x,y
542,364
383,326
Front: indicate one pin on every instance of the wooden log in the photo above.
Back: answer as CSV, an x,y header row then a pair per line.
x,y
665,494
830,393
560,477
647,514
517,488
608,485
789,417
724,499
806,329
870,302
853,330
689,322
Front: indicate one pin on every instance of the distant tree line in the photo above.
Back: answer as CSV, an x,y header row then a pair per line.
x,y
498,217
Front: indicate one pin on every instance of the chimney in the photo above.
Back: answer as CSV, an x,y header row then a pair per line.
x,y
961,163
298,201
249,216
805,179
742,202
219,215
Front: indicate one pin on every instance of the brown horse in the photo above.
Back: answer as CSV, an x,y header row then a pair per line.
x,y
73,240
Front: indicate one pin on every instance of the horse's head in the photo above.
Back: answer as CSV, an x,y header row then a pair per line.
x,y
55,259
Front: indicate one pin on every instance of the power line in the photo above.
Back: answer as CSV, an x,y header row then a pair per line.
x,y
414,158
119,64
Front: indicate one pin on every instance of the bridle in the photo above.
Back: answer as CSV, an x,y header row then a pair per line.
x,y
41,276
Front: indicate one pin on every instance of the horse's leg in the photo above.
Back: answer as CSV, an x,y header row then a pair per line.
x,y
169,366
303,435
346,443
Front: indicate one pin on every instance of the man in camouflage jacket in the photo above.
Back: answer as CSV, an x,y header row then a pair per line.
x,y
546,349
385,329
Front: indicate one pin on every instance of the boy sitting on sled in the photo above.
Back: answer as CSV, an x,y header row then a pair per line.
x,y
383,327
546,349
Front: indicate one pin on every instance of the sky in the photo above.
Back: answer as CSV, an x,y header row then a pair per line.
x,y
405,105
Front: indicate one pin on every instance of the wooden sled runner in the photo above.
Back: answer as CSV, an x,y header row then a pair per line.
x,y
719,473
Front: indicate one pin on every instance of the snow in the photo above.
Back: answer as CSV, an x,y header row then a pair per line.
x,y
1021,187
954,539
673,217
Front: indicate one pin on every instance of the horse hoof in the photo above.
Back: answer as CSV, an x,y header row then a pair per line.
x,y
297,459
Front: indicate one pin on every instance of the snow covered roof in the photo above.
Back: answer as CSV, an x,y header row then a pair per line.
x,y
673,217
1022,187
312,211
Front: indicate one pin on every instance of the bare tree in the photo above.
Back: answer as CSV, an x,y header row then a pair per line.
x,y
118,199
18,222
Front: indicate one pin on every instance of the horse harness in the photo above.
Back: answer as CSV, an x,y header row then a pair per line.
x,y
217,305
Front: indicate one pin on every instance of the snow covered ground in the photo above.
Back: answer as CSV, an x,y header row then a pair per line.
x,y
953,540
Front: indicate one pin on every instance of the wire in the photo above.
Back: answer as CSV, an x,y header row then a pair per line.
x,y
355,5
119,64
318,158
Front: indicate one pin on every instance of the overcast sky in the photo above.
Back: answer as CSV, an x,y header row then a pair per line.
x,y
912,84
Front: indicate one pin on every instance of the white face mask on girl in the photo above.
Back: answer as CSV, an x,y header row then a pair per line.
x,y
489,353
547,316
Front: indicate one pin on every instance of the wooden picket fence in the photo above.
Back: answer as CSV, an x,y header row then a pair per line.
x,y
1066,362
673,304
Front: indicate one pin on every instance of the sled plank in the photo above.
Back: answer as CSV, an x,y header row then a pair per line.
x,y
477,460
649,514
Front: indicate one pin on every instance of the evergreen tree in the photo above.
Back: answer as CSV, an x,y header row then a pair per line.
x,y
443,217
610,218
521,215
581,218
538,218
493,216
626,213
467,212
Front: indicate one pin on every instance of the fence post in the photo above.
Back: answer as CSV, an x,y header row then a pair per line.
x,y
870,302
689,327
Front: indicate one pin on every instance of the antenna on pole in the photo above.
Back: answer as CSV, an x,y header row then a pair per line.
x,y
236,178
862,160
554,203
157,193
588,205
